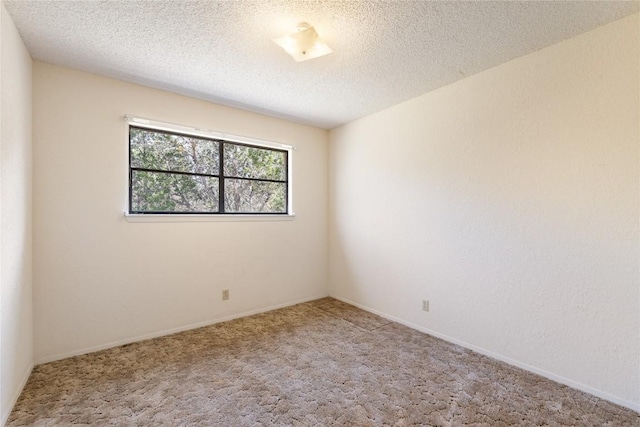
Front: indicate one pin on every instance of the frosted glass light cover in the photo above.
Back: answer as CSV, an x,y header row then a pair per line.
x,y
304,44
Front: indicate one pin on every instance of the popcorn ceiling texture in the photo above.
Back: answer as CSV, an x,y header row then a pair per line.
x,y
385,52
318,363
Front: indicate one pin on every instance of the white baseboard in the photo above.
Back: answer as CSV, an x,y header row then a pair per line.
x,y
16,395
52,358
513,362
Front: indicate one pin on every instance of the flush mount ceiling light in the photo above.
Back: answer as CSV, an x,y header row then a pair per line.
x,y
303,44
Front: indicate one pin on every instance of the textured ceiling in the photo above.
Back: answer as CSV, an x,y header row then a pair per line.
x,y
385,52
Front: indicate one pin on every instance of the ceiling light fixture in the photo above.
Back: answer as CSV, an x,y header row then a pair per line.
x,y
303,44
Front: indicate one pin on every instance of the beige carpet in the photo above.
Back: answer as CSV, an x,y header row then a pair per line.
x,y
323,363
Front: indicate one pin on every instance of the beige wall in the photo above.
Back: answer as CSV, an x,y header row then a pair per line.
x,y
510,200
100,280
16,337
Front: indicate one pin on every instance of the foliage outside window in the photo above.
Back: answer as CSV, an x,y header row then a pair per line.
x,y
172,173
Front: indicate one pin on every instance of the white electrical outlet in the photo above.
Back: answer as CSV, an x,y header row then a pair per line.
x,y
225,294
425,304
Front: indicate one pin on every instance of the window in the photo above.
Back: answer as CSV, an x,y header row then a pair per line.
x,y
179,173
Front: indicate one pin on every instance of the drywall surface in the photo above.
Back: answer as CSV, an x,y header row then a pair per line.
x,y
101,280
510,201
16,338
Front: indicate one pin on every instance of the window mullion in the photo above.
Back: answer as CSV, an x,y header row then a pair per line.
x,y
130,207
172,172
221,179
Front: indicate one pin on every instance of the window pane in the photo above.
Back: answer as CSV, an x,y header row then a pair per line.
x,y
251,162
163,151
169,192
254,196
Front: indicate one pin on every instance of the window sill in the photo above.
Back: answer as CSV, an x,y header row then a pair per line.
x,y
206,218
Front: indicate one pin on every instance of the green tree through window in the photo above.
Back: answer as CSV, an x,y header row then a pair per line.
x,y
177,173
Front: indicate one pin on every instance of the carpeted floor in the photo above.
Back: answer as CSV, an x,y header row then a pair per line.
x,y
323,363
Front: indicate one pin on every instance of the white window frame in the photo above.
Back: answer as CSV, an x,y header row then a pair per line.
x,y
177,217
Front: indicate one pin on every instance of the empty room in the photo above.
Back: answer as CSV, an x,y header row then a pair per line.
x,y
319,213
